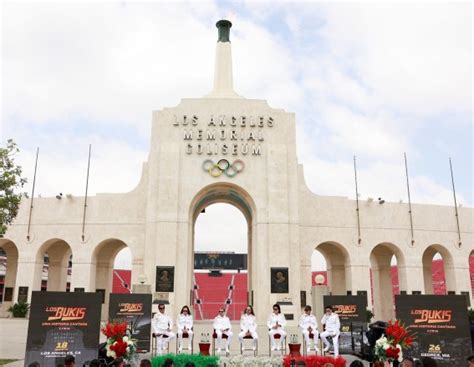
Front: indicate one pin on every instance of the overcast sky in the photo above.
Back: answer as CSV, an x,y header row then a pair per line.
x,y
371,80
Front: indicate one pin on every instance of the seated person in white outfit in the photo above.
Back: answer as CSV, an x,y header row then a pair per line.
x,y
185,325
248,326
308,325
276,323
332,328
161,326
222,326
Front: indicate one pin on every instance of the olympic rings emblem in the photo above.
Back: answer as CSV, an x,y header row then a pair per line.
x,y
223,167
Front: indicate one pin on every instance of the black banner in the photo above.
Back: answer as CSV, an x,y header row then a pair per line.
x,y
441,325
136,310
62,323
351,311
215,260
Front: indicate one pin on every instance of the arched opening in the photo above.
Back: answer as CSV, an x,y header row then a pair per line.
x,y
471,270
104,257
438,272
122,273
222,220
388,278
220,261
8,270
319,267
337,262
53,266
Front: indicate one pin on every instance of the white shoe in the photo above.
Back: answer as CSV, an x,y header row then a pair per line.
x,y
189,347
326,349
308,350
218,350
278,347
316,350
227,350
180,348
254,348
274,347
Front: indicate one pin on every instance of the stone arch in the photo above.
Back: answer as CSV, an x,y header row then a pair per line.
x,y
227,193
338,262
448,264
380,261
103,257
59,254
10,251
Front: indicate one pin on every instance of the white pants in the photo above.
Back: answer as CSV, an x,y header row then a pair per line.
x,y
308,341
219,334
272,333
253,334
335,340
163,337
180,337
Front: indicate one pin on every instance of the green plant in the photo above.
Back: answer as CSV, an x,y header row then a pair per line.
x,y
19,309
180,360
11,184
471,315
369,314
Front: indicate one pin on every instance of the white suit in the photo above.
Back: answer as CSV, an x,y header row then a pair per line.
x,y
161,326
248,324
276,323
333,326
306,322
184,322
222,325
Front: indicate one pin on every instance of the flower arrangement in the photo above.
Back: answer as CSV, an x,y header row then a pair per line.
x,y
389,347
119,344
250,361
205,338
314,361
294,338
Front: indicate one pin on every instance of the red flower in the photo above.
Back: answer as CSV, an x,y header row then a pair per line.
x,y
119,347
392,352
397,334
115,330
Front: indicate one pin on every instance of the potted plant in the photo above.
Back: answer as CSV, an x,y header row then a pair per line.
x,y
19,309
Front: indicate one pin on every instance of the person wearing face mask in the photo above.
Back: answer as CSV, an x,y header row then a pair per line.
x,y
309,325
185,326
248,326
332,328
162,325
276,323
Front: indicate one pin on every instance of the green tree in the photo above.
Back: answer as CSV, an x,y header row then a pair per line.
x,y
11,184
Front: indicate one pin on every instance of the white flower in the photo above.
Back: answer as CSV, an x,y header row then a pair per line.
x,y
400,354
381,341
111,353
125,339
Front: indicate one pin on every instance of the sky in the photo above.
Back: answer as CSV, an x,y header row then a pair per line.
x,y
372,80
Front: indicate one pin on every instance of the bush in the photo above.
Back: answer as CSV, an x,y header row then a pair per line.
x,y
19,309
181,359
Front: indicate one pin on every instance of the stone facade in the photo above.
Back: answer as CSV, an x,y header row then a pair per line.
x,y
286,220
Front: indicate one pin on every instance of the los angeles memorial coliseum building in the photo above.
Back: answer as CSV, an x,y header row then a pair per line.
x,y
224,148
